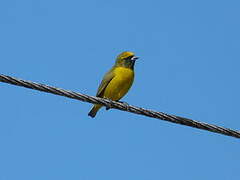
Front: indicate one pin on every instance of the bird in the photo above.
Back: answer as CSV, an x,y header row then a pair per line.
x,y
117,81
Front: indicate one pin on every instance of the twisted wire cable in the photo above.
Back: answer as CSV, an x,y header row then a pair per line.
x,y
120,106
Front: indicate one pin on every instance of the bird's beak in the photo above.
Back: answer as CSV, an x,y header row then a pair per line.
x,y
134,58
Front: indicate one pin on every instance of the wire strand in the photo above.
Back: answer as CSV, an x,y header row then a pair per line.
x,y
120,106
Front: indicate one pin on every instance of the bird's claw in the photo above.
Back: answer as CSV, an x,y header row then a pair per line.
x,y
109,106
125,104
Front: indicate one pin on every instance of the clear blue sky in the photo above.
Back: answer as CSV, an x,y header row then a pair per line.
x,y
188,66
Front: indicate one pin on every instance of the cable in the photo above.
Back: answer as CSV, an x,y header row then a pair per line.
x,y
120,106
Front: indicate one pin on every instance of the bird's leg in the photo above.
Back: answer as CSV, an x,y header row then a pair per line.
x,y
109,106
125,104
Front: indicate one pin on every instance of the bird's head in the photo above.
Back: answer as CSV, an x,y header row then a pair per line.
x,y
126,59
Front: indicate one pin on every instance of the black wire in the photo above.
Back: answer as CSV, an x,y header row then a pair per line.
x,y
120,106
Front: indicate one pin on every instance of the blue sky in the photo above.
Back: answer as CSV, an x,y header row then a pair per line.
x,y
188,66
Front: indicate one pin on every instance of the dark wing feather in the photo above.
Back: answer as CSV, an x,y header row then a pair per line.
x,y
106,80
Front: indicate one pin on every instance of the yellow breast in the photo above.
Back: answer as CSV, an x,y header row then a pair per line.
x,y
120,84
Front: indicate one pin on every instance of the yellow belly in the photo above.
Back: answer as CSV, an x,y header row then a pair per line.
x,y
120,84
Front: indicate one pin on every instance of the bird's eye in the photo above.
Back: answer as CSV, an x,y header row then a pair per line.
x,y
129,57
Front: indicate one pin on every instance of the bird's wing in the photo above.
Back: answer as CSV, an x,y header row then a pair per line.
x,y
106,80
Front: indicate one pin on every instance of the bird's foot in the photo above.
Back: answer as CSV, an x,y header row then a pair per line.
x,y
125,104
109,106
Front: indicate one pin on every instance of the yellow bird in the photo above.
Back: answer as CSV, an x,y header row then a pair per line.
x,y
117,81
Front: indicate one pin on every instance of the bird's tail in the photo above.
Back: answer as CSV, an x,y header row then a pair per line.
x,y
94,110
